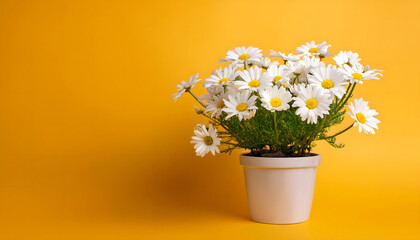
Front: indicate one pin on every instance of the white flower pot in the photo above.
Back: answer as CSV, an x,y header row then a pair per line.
x,y
280,189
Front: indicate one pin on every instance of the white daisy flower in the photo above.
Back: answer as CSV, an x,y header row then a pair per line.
x,y
312,102
301,68
265,62
297,68
312,49
253,80
330,79
242,104
216,104
205,140
348,58
312,62
279,75
295,89
211,92
276,99
185,86
241,54
358,74
222,76
364,116
286,58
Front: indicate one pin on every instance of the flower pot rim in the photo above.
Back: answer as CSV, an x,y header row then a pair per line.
x,y
313,160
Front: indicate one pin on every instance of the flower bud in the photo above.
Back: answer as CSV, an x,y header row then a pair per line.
x,y
198,110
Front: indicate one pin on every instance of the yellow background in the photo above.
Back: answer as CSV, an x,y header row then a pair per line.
x,y
93,147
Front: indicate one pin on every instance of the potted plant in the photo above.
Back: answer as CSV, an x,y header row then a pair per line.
x,y
277,110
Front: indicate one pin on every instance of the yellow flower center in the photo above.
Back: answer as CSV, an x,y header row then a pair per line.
x,y
208,140
313,50
254,83
311,103
361,118
223,80
357,76
221,104
241,107
277,78
275,102
285,84
243,56
327,84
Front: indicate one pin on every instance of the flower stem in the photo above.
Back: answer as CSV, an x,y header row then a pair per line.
x,y
244,64
345,98
275,127
275,123
192,94
343,131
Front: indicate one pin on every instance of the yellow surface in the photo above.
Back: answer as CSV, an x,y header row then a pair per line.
x,y
93,147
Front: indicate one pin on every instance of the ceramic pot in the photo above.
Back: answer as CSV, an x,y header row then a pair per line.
x,y
280,189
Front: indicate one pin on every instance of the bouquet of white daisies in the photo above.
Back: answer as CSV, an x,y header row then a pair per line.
x,y
279,108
